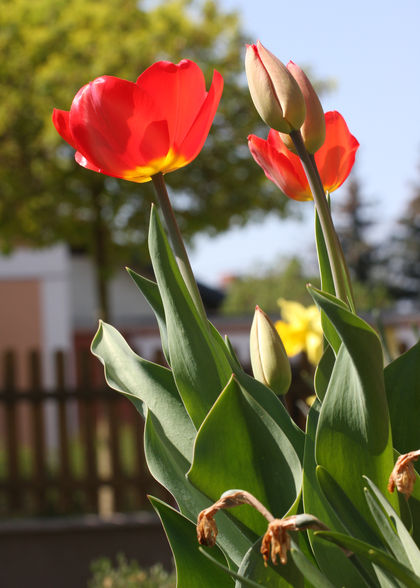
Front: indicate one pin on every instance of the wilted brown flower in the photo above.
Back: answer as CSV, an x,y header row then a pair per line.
x,y
277,540
206,530
403,475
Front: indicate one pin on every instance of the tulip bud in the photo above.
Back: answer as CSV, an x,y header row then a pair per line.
x,y
274,91
269,361
313,128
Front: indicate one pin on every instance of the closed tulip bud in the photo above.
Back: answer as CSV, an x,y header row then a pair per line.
x,y
269,361
313,128
274,91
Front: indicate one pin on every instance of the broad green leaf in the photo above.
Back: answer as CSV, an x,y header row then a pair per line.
x,y
242,580
402,383
169,467
265,397
379,557
193,569
349,516
311,572
272,405
391,527
330,558
239,445
280,576
200,369
148,382
354,437
323,372
150,291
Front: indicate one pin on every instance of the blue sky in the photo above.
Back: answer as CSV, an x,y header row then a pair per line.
x,y
372,50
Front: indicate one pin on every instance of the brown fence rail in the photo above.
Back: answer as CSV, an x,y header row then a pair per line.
x,y
68,451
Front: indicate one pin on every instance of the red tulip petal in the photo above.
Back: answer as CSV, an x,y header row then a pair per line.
x,y
178,91
279,167
60,120
109,118
197,134
81,160
336,156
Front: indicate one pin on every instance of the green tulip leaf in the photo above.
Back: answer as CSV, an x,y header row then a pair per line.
x,y
242,580
350,517
402,384
264,396
271,576
316,578
147,382
375,555
392,528
192,567
354,437
150,291
169,468
329,557
239,445
323,372
200,369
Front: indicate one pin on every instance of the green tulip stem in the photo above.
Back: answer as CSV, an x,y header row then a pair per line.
x,y
335,253
177,243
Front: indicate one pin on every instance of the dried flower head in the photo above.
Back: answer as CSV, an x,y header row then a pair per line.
x,y
403,476
206,530
276,541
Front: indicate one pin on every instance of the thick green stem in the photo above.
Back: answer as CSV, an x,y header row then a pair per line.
x,y
177,243
335,254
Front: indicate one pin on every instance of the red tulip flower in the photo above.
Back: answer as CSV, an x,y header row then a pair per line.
x,y
135,130
334,159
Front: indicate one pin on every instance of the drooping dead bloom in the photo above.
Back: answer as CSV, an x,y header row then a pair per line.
x,y
276,541
403,476
206,530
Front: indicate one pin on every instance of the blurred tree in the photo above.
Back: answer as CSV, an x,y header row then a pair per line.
x,y
288,280
50,48
353,225
403,259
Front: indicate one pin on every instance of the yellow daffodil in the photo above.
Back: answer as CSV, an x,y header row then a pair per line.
x,y
300,330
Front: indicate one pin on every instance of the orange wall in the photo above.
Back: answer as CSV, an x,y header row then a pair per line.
x,y
20,323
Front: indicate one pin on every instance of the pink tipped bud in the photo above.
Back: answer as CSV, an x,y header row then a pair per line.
x,y
274,91
313,128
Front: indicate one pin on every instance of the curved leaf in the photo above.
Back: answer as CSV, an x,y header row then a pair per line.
x,y
329,557
192,567
169,467
392,528
148,382
150,291
402,384
382,559
200,369
239,445
354,437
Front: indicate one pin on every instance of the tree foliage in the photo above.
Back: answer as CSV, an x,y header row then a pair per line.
x,y
50,48
287,280
403,262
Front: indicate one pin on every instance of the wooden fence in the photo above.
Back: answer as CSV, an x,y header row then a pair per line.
x,y
67,451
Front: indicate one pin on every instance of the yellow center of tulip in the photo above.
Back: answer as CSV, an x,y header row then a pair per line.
x,y
165,164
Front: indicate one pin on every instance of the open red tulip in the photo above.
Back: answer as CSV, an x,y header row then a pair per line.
x,y
334,159
135,130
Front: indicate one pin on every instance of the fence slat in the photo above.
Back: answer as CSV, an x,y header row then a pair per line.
x,y
89,434
38,432
63,433
11,437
